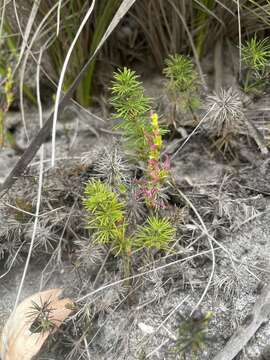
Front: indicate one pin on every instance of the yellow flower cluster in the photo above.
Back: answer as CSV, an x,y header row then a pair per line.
x,y
156,139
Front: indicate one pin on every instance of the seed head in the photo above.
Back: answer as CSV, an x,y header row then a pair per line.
x,y
224,112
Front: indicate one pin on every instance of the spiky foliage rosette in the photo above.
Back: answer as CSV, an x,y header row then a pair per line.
x,y
131,106
112,167
11,237
157,233
183,81
256,59
256,53
224,113
41,316
88,253
106,216
180,72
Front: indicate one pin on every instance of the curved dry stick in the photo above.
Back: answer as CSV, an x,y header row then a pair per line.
x,y
2,18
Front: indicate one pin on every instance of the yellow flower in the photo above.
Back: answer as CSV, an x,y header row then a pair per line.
x,y
154,119
158,141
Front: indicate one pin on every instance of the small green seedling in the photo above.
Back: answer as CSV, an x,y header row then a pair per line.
x,y
256,59
40,315
182,85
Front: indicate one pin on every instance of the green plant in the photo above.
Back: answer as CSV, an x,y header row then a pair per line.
x,y
181,73
107,220
106,217
131,108
156,233
182,84
191,336
8,48
256,58
142,134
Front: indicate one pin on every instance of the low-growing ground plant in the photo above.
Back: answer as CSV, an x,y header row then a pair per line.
x,y
40,314
256,59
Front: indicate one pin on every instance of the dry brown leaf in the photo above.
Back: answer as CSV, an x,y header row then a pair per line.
x,y
17,341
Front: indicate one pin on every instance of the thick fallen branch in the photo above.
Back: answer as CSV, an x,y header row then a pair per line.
x,y
241,337
44,132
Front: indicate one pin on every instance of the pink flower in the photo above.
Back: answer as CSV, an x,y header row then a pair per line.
x,y
153,163
153,146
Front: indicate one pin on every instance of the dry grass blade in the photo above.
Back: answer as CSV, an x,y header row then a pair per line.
x,y
17,340
29,26
3,8
62,75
